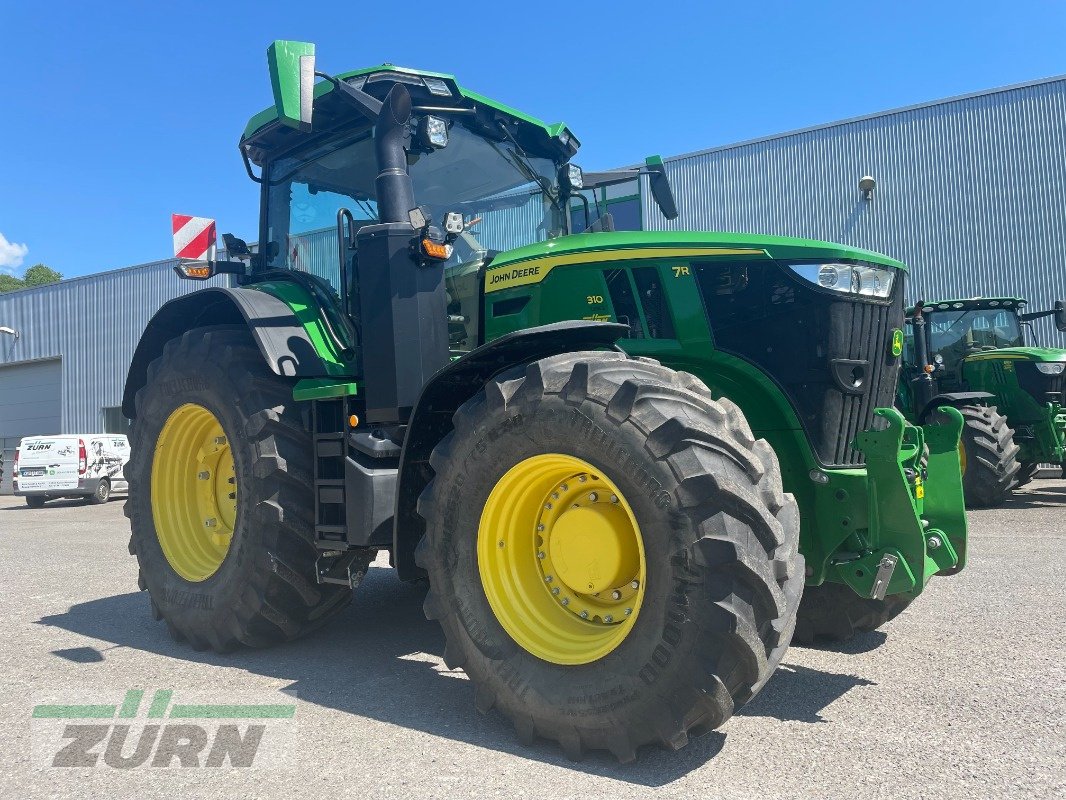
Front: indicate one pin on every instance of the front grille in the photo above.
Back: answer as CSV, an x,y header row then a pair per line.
x,y
864,332
800,336
1042,388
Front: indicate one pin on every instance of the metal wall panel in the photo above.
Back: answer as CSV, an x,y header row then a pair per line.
x,y
93,323
971,192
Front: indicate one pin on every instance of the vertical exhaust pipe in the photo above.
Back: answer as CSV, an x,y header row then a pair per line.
x,y
396,196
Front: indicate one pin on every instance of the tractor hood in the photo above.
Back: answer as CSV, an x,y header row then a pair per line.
x,y
651,244
1020,354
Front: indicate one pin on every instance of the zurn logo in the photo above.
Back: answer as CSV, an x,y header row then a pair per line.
x,y
132,729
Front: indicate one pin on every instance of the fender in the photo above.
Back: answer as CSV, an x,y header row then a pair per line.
x,y
449,388
282,339
955,399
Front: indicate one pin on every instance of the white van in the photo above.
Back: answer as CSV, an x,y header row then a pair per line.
x,y
73,465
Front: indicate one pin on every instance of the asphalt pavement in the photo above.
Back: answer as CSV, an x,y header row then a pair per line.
x,y
964,695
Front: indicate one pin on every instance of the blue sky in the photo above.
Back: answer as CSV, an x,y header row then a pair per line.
x,y
114,115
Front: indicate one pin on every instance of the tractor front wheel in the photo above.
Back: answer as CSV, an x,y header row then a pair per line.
x,y
989,457
610,553
220,498
832,612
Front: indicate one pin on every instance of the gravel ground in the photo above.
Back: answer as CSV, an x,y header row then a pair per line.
x,y
964,695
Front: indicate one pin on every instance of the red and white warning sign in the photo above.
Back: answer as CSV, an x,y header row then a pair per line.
x,y
194,237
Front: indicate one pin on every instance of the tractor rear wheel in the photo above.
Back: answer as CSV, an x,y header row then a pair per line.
x,y
220,498
988,455
610,553
833,612
1025,474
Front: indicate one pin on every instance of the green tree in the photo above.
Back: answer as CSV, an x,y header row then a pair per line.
x,y
40,274
9,283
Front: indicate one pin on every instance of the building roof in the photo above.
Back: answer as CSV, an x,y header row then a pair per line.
x,y
865,117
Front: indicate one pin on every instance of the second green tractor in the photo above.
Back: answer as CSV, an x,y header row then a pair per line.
x,y
972,354
631,467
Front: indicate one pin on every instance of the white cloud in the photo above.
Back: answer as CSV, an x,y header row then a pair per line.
x,y
11,255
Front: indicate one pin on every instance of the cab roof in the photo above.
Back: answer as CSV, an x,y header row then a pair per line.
x,y
972,303
265,133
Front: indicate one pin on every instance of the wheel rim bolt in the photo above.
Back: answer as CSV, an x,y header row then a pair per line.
x,y
583,478
614,498
584,615
635,584
210,522
555,495
555,590
548,506
564,487
608,618
594,497
629,611
616,595
548,578
203,475
566,601
540,527
232,495
540,554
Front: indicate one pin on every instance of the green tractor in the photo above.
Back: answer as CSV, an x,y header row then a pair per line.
x,y
620,460
971,354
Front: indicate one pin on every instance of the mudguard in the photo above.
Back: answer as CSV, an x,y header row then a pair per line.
x,y
953,399
449,388
282,337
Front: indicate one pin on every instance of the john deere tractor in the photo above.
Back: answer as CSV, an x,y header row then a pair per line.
x,y
616,458
972,354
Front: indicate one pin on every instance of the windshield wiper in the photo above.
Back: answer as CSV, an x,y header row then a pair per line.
x,y
520,161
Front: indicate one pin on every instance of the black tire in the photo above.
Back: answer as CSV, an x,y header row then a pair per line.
x,y
265,590
1025,474
102,493
991,457
833,612
724,577
36,501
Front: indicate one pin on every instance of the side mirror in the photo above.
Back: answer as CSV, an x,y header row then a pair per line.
x,y
292,79
660,187
1060,315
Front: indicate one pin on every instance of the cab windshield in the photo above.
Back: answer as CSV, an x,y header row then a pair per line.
x,y
507,200
955,334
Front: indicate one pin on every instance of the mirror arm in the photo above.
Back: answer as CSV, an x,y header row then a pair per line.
x,y
248,165
368,105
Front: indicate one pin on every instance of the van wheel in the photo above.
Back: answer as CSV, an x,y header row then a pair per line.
x,y
102,493
36,502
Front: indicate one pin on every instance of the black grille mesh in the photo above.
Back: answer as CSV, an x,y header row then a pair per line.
x,y
795,332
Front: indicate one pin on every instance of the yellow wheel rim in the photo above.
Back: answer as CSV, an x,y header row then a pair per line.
x,y
561,559
962,457
194,492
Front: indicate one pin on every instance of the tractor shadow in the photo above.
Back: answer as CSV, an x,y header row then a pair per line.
x,y
376,661
1042,494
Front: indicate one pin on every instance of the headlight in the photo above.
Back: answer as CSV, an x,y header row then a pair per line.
x,y
850,278
1051,367
433,132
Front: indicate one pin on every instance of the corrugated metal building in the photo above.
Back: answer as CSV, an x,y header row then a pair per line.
x,y
65,371
970,192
